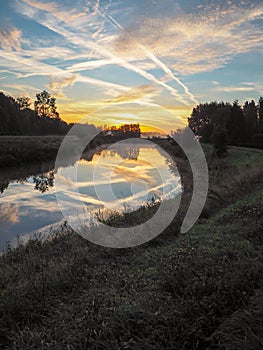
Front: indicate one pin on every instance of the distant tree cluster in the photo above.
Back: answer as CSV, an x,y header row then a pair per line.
x,y
220,122
125,130
16,117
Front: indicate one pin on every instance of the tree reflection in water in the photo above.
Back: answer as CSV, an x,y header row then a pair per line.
x,y
3,186
44,181
129,151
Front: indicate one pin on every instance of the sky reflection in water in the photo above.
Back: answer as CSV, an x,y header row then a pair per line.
x,y
124,178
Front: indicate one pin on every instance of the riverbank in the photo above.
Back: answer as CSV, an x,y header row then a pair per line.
x,y
19,150
200,290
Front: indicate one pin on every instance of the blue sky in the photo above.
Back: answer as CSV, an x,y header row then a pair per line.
x,y
150,60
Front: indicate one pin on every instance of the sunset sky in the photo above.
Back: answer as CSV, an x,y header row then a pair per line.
x,y
146,61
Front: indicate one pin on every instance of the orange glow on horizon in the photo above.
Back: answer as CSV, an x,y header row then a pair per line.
x,y
73,114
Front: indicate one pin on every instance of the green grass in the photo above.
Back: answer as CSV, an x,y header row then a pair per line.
x,y
199,290
177,295
244,156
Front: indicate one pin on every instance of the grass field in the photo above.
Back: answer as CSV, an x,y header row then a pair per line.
x,y
200,290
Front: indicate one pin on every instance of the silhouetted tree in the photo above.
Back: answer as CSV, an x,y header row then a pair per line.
x,y
44,181
236,124
240,124
3,186
250,113
200,121
17,119
125,130
260,115
23,102
45,105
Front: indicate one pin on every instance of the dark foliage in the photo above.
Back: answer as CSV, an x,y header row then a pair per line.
x,y
16,118
241,123
219,139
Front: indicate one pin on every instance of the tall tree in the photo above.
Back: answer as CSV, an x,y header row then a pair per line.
x,y
251,117
45,105
236,124
205,117
260,115
200,120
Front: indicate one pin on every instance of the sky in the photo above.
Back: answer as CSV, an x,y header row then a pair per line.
x,y
146,61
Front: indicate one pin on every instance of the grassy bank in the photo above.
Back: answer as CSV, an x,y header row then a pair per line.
x,y
200,290
19,150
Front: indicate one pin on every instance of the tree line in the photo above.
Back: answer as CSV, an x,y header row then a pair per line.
x,y
229,123
17,118
123,131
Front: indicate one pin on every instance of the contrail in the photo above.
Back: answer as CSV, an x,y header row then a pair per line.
x,y
149,54
169,72
91,45
43,68
116,59
132,67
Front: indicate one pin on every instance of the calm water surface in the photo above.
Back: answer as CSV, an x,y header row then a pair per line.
x,y
117,178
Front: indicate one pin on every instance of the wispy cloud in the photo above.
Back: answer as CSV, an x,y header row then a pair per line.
x,y
58,83
135,94
194,43
133,174
28,67
22,88
234,88
69,16
92,64
9,214
10,39
241,87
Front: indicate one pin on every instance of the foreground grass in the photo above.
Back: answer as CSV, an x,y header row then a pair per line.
x,y
201,290
184,293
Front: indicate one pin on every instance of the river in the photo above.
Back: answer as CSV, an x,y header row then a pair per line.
x,y
117,178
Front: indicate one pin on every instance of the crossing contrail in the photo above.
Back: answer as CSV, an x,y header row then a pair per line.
x,y
168,71
155,59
